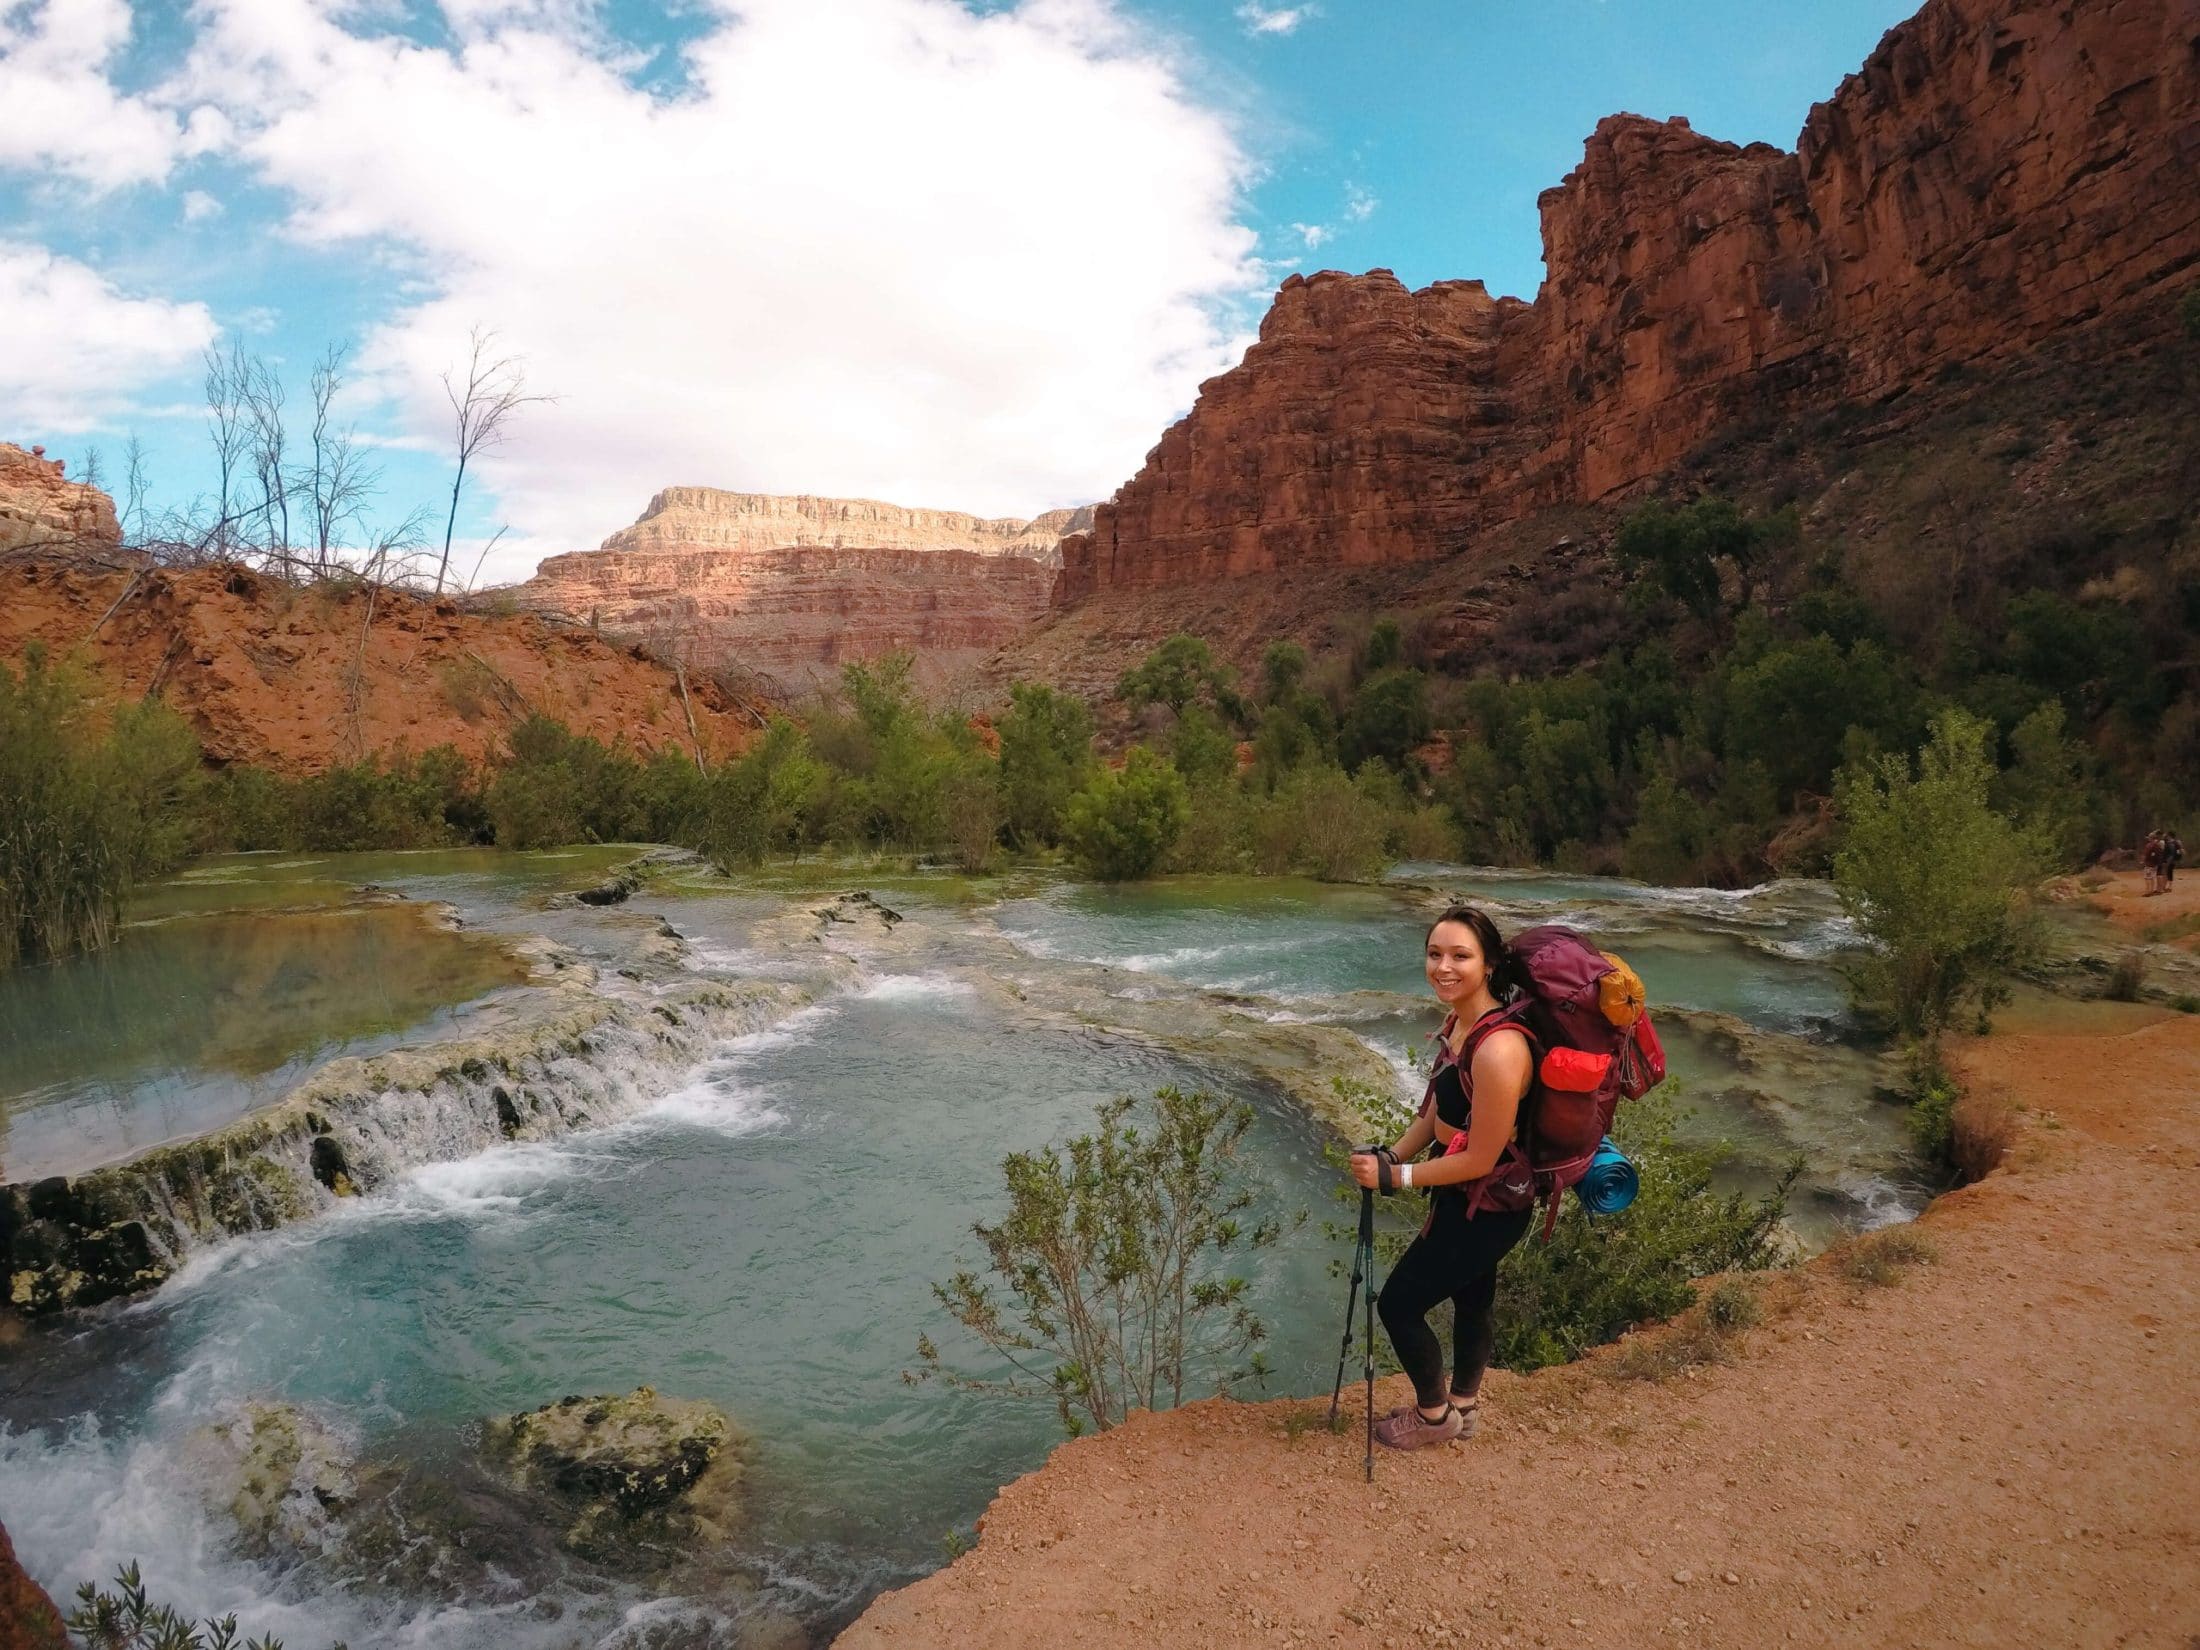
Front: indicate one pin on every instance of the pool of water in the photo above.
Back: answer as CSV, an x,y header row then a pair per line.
x,y
187,1023
766,1232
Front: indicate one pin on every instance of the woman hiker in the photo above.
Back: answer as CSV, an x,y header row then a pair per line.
x,y
2150,862
1483,1195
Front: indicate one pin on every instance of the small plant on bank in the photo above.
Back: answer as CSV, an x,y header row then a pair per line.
x,y
1110,1285
126,1619
1878,1259
2126,978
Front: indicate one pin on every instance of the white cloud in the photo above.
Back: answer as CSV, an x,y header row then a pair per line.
x,y
1315,235
890,248
1359,202
60,113
77,348
1260,19
199,206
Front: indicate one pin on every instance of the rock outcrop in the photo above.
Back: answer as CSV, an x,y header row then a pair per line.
x,y
793,588
1997,173
40,508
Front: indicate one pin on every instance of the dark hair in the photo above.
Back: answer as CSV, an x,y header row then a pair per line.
x,y
1497,956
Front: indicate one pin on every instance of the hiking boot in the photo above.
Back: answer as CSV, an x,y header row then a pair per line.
x,y
1465,1412
1408,1428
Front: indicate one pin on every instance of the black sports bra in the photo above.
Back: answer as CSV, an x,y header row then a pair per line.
x,y
1452,1087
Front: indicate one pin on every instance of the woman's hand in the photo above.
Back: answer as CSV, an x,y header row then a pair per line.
x,y
1367,1169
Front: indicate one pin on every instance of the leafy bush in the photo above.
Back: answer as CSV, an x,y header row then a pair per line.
x,y
1109,1286
1599,1276
1937,880
84,812
1124,821
126,1619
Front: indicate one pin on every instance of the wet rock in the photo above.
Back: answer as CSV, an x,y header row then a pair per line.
x,y
330,1167
624,1467
281,1474
857,906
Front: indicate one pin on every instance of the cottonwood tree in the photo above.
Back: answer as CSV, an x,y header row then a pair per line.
x,y
483,399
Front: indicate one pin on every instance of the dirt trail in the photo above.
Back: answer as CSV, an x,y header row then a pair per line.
x,y
1998,1450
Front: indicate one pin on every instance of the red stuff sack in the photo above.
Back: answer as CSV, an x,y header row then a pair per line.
x,y
1641,1060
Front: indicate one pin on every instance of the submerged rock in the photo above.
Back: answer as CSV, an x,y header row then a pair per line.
x,y
627,1466
281,1473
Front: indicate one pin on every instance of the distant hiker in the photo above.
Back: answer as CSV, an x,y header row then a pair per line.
x,y
2150,862
2173,850
1483,1067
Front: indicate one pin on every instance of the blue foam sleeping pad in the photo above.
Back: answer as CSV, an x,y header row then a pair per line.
x,y
1611,1183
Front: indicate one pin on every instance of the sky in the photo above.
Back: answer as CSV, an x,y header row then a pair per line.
x,y
965,254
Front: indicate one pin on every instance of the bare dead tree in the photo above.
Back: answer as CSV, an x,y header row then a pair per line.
x,y
494,388
263,406
341,481
92,472
226,427
135,486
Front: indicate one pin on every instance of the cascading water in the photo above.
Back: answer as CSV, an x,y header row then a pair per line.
x,y
749,1208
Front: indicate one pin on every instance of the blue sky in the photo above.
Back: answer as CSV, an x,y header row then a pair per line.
x,y
962,255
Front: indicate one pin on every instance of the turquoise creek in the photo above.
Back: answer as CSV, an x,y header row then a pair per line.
x,y
418,1141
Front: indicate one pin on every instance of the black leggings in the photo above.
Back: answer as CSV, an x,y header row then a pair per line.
x,y
1455,1260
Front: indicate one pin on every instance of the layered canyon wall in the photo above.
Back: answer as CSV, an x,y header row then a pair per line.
x,y
792,588
41,509
1998,172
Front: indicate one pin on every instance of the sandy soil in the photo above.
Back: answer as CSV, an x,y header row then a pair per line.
x,y
1998,1450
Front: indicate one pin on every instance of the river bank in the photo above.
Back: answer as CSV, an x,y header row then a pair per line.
x,y
1993,1449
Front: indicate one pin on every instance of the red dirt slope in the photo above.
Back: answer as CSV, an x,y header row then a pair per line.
x,y
301,679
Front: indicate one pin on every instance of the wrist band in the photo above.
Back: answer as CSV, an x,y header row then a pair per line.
x,y
1405,1174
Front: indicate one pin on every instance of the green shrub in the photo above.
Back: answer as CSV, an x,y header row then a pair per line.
x,y
84,811
1122,824
1599,1276
1110,1286
126,1619
1938,881
1932,1094
1387,718
1878,1259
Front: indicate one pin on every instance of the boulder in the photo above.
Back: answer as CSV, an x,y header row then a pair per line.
x,y
628,1466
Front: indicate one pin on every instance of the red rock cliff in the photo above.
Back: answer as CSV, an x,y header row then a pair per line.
x,y
1998,171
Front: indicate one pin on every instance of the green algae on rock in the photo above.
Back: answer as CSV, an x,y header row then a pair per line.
x,y
626,1465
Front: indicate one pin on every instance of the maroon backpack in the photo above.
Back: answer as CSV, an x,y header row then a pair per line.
x,y
1593,1045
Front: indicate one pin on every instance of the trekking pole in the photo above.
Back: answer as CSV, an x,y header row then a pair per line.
x,y
1367,1341
1352,1297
